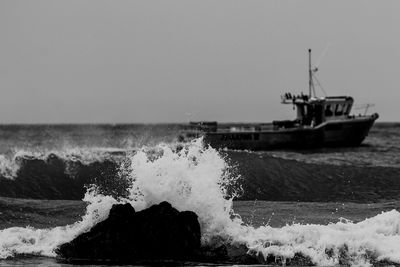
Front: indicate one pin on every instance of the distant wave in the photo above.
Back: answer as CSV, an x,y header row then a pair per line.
x,y
61,175
265,177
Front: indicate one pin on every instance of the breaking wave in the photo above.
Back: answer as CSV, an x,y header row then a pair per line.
x,y
200,179
60,174
65,174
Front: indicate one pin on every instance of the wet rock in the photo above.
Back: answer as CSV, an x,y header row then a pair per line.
x,y
221,250
157,233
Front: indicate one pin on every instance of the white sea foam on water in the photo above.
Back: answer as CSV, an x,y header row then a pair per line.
x,y
28,240
377,238
196,178
8,167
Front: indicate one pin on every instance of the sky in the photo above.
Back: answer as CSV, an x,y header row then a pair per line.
x,y
96,61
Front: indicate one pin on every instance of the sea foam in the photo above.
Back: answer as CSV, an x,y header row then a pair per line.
x,y
197,178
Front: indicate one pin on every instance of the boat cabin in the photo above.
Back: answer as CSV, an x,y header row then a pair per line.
x,y
313,111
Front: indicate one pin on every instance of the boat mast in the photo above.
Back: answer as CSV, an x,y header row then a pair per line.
x,y
310,78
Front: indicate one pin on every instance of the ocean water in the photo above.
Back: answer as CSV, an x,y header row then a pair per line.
x,y
334,206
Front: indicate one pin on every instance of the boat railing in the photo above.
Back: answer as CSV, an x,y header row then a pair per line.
x,y
227,127
286,124
206,126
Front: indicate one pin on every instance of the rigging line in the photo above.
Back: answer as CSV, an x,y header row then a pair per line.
x,y
322,55
320,85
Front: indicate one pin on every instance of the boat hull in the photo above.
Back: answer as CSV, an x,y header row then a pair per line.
x,y
264,140
349,132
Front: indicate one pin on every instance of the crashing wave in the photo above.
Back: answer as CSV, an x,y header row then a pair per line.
x,y
199,179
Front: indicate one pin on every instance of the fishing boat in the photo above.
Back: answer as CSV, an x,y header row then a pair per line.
x,y
320,121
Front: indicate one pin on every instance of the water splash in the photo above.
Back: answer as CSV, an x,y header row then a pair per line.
x,y
28,240
193,178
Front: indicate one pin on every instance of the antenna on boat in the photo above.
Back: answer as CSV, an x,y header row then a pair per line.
x,y
311,87
365,107
312,70
322,55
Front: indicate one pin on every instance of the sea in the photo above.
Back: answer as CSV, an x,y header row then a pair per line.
x,y
334,206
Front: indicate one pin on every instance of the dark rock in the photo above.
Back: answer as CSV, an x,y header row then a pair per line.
x,y
157,233
228,253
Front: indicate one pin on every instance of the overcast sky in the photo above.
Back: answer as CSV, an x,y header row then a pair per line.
x,y
171,61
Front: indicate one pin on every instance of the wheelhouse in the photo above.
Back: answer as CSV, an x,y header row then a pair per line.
x,y
314,111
